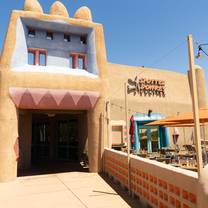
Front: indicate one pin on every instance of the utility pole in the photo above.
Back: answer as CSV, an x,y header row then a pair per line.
x,y
108,115
127,135
195,105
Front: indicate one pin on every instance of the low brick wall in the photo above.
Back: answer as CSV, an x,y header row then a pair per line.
x,y
116,165
158,184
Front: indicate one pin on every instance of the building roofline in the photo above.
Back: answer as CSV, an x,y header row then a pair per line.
x,y
147,68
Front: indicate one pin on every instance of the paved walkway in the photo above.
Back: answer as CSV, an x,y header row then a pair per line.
x,y
63,190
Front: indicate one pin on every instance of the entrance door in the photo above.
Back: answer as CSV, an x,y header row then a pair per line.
x,y
155,142
41,141
54,138
149,138
143,139
67,140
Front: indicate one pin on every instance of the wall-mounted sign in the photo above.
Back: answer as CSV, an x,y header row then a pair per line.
x,y
146,87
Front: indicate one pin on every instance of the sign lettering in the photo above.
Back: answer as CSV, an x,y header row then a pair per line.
x,y
146,87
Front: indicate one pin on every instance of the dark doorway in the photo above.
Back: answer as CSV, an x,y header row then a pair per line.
x,y
55,138
58,143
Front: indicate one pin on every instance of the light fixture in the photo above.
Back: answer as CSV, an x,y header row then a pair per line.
x,y
149,112
200,50
199,55
51,115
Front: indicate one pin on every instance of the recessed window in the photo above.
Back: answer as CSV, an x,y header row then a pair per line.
x,y
49,35
37,57
81,62
42,58
83,40
78,61
67,38
31,57
71,62
31,32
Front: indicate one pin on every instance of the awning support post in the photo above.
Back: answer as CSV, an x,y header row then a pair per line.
x,y
127,136
195,105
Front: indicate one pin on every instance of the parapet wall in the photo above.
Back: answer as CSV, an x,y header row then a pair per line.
x,y
158,184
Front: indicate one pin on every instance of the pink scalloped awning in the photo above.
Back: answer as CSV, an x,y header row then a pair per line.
x,y
50,99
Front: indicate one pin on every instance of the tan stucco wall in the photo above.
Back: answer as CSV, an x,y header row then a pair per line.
x,y
177,94
9,78
177,98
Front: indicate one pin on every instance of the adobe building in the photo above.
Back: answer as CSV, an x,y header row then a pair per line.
x,y
56,86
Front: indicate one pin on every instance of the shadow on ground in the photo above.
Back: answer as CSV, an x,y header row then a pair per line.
x,y
133,202
52,168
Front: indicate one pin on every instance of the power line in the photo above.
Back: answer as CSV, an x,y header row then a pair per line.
x,y
196,42
168,53
156,61
123,108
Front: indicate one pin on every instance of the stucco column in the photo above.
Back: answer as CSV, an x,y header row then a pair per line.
x,y
94,136
201,86
8,137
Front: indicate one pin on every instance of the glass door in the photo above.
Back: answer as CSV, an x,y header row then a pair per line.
x,y
143,139
67,140
149,138
154,139
40,141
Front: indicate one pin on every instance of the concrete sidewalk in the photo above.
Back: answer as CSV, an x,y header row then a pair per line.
x,y
64,190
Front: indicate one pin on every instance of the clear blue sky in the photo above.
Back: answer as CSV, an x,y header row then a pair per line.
x,y
139,32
